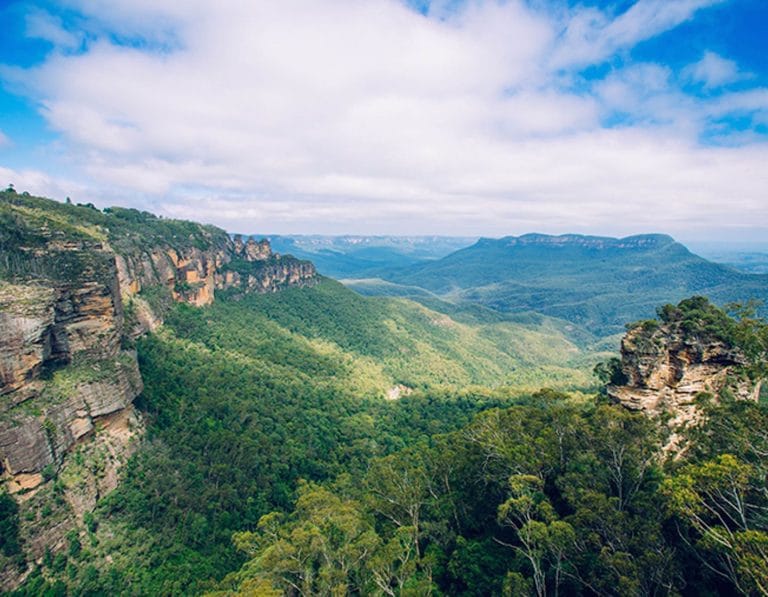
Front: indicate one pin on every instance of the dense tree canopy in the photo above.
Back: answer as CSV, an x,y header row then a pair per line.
x,y
273,465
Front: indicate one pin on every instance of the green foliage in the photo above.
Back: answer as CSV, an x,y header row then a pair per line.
x,y
596,283
28,223
610,372
416,346
9,525
244,398
48,472
321,550
544,497
90,522
75,547
696,316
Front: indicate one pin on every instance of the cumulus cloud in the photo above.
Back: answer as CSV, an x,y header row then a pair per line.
x,y
367,116
714,71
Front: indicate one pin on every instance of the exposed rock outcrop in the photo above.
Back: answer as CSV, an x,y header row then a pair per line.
x,y
65,274
61,363
76,284
62,318
671,367
193,275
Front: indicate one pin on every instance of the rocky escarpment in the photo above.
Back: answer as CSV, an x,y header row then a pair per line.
x,y
66,273
670,367
62,366
254,268
193,274
76,285
599,243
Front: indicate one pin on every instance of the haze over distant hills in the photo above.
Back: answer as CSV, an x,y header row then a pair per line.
x,y
354,256
596,282
748,257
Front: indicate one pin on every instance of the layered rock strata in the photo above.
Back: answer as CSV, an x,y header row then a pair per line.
x,y
669,372
61,362
76,286
62,320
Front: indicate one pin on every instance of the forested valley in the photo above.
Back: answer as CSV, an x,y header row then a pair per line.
x,y
272,465
292,437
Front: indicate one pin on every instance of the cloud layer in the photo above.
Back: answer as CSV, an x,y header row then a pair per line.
x,y
366,116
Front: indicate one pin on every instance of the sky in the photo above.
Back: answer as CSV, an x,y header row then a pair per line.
x,y
453,117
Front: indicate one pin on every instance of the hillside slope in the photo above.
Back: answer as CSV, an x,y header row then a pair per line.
x,y
245,398
364,256
414,346
77,286
595,282
556,496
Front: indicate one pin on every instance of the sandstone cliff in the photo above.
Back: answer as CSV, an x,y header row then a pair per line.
x,y
76,284
671,367
66,273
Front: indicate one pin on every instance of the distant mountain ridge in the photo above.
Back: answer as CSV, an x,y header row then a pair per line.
x,y
593,281
360,256
592,242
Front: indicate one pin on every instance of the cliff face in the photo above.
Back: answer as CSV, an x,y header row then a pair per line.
x,y
65,274
61,362
254,268
193,274
671,367
76,285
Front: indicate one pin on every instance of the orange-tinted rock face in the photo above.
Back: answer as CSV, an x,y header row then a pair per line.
x,y
63,373
50,325
668,371
64,323
193,275
26,319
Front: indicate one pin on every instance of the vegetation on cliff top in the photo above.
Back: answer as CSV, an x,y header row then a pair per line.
x,y
737,327
29,224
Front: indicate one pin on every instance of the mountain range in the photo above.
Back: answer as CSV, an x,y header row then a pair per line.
x,y
598,283
364,256
184,411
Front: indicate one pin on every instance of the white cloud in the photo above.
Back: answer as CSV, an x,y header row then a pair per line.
x,y
4,140
43,25
36,182
364,116
714,71
591,35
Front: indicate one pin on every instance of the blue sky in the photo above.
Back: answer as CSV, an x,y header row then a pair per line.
x,y
381,116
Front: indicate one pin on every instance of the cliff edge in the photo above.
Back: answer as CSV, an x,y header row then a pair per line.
x,y
76,286
671,366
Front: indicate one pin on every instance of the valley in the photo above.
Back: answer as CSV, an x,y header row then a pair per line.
x,y
384,298
185,412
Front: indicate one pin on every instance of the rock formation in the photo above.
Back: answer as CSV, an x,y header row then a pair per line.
x,y
671,367
76,285
62,320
